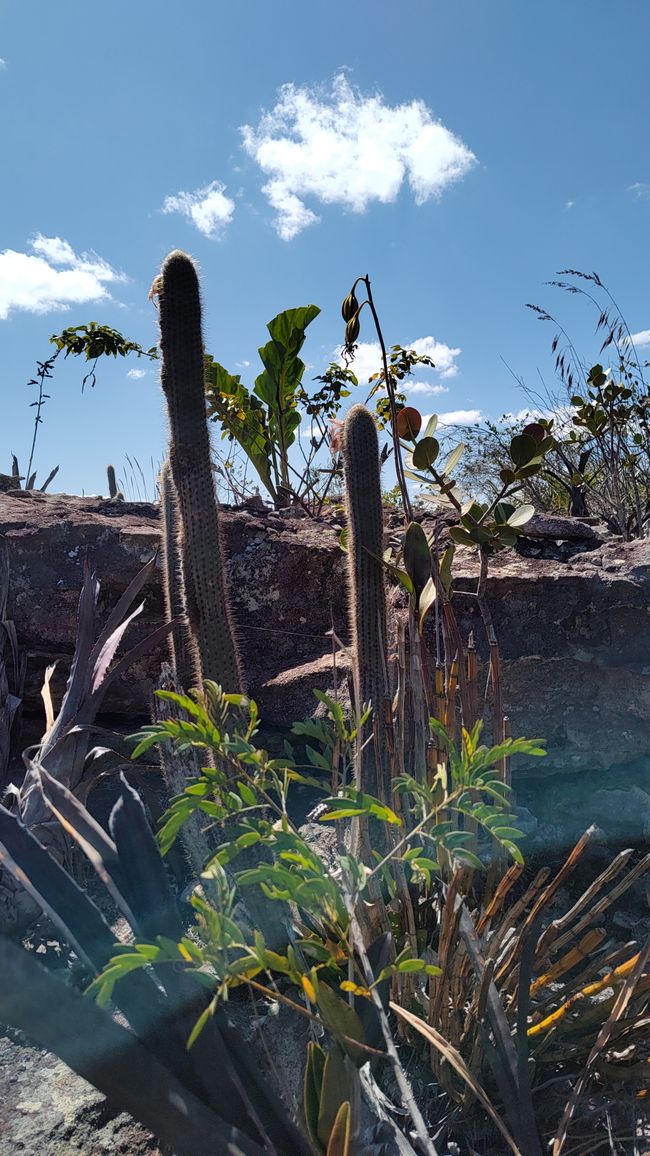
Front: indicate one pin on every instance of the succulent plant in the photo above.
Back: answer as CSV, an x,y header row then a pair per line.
x,y
362,473
113,491
214,651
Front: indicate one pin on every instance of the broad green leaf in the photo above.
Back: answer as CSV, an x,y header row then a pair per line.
x,y
417,558
521,515
342,1021
425,453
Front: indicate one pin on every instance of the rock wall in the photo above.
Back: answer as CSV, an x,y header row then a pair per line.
x,y
573,621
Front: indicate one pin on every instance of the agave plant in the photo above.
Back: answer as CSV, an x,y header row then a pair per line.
x,y
66,750
209,1100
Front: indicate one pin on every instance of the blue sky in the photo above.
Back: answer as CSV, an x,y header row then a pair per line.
x,y
458,151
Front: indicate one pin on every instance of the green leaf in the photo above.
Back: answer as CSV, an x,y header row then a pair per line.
x,y
342,1021
425,453
335,1091
312,1089
417,558
521,515
523,449
454,457
427,599
460,536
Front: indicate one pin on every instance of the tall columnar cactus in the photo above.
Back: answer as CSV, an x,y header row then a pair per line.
x,y
214,649
367,588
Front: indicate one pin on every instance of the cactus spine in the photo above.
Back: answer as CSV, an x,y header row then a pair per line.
x,y
198,539
362,473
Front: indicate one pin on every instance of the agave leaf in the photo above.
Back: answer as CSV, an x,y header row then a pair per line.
x,y
109,649
79,678
86,831
143,874
123,605
50,478
112,1059
152,640
80,922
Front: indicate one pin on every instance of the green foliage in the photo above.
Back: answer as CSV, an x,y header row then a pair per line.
x,y
493,524
249,791
265,421
91,342
601,456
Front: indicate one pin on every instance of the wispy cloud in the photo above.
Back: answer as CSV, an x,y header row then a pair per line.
x,y
460,417
208,208
52,277
367,360
136,374
640,189
423,387
342,147
3,63
642,337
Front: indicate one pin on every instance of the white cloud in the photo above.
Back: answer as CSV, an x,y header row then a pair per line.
x,y
569,204
460,417
32,281
367,360
136,374
349,149
640,189
423,387
3,63
642,337
208,208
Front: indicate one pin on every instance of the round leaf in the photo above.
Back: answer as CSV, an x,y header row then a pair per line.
x,y
523,449
521,515
425,453
409,423
534,430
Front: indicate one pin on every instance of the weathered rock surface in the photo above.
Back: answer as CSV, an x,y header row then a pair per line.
x,y
574,633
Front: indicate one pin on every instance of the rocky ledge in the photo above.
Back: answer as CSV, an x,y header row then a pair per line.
x,y
571,610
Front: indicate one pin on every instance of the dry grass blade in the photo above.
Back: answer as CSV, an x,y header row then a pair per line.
x,y
456,1061
46,695
620,1006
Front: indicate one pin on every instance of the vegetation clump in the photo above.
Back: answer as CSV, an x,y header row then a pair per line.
x,y
445,991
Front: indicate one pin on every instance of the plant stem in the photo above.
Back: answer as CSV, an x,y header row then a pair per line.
x,y
399,466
